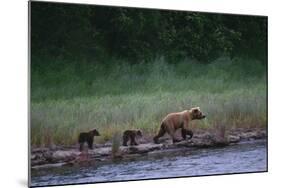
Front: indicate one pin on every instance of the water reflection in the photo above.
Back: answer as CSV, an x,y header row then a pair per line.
x,y
247,157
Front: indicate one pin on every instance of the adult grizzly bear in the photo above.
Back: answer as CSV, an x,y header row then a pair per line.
x,y
174,121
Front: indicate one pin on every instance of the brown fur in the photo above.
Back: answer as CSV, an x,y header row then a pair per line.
x,y
131,135
87,137
174,121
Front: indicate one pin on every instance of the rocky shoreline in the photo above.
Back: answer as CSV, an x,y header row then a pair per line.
x,y
102,153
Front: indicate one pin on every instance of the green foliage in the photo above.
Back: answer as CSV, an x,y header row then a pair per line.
x,y
114,68
67,100
85,32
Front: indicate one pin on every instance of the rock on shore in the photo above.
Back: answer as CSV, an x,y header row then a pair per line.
x,y
45,157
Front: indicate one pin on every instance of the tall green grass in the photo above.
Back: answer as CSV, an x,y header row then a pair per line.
x,y
68,98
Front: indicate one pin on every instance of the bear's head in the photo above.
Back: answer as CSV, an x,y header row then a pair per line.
x,y
196,113
139,133
94,132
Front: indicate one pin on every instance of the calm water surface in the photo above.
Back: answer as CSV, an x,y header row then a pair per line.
x,y
246,157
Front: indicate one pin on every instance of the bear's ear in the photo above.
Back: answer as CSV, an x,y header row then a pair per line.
x,y
195,109
96,132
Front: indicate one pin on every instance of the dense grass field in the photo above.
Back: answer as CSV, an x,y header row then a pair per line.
x,y
71,97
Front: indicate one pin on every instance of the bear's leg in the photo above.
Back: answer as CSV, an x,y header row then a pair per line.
x,y
190,133
161,133
133,140
171,131
183,133
90,143
81,146
174,138
125,140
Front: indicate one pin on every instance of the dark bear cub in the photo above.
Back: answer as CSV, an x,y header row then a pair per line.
x,y
87,137
131,135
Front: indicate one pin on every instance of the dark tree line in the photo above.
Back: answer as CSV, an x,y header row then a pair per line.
x,y
98,32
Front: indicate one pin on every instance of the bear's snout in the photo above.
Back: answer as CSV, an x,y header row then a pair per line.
x,y
202,116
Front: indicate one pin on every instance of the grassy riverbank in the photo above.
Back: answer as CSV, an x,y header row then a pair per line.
x,y
70,97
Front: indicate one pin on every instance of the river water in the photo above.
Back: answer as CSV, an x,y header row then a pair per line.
x,y
244,157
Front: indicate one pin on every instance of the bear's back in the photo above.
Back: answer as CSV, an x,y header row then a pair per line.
x,y
176,117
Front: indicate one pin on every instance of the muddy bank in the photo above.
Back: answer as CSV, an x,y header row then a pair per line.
x,y
102,153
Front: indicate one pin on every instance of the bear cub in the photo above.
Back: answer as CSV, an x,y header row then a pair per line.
x,y
87,137
131,135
